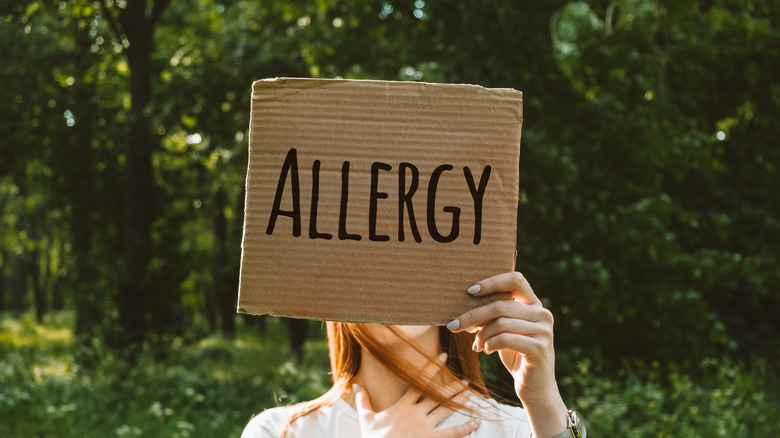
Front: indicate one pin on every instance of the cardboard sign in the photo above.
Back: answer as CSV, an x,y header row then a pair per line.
x,y
374,201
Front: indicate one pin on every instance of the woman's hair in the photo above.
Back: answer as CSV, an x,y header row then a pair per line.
x,y
345,341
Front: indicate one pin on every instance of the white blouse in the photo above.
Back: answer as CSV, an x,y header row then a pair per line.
x,y
341,420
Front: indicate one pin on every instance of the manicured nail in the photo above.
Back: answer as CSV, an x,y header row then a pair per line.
x,y
443,357
453,325
475,346
474,289
478,421
355,388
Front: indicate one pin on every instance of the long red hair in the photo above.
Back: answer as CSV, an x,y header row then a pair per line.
x,y
346,341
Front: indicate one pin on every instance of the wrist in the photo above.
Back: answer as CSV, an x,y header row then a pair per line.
x,y
575,428
548,418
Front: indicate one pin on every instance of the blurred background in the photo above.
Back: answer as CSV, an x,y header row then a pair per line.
x,y
648,220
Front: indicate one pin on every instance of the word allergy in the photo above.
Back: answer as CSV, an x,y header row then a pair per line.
x,y
405,206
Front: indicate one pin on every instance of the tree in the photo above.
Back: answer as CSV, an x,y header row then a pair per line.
x,y
647,173
646,169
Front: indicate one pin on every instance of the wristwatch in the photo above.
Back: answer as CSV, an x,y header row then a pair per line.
x,y
575,428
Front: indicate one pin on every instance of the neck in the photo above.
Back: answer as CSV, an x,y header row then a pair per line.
x,y
384,387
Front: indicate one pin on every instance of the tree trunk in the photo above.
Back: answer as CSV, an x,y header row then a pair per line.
x,y
57,300
34,274
33,269
139,197
19,291
46,280
209,298
3,262
297,329
76,164
225,284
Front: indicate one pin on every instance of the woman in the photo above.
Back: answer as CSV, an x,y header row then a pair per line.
x,y
423,381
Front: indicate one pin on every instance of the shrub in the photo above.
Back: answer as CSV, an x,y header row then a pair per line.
x,y
716,398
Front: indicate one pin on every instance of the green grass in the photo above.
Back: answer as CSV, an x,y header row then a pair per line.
x,y
211,388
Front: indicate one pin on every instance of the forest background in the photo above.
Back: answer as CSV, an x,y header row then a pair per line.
x,y
648,218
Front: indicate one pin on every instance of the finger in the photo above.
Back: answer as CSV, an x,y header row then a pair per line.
x,y
512,282
540,327
411,396
449,391
531,348
362,401
440,412
459,431
483,315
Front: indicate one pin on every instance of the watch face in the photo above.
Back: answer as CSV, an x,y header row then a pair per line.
x,y
579,424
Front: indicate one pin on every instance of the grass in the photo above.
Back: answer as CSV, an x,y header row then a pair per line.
x,y
209,388
212,387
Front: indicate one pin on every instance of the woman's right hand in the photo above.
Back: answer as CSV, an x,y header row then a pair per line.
x,y
412,415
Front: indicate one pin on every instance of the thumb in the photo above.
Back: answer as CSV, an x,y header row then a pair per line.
x,y
362,401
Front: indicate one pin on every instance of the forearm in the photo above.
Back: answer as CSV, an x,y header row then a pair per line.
x,y
548,418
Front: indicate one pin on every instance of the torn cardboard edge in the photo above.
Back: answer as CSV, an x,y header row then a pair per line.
x,y
377,201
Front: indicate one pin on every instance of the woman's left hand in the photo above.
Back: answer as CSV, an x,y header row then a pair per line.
x,y
521,330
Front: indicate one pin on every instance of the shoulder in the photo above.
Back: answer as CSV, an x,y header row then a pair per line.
x,y
336,419
268,423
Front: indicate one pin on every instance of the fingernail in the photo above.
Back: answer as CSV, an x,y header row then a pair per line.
x,y
475,346
355,388
474,289
478,421
443,357
453,325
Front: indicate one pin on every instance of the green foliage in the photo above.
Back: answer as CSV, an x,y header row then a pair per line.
x,y
660,219
212,387
648,218
208,388
723,399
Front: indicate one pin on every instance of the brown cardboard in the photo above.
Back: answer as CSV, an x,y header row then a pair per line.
x,y
376,279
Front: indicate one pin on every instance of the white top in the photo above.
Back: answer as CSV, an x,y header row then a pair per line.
x,y
341,420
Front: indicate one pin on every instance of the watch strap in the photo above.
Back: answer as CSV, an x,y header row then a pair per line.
x,y
572,428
